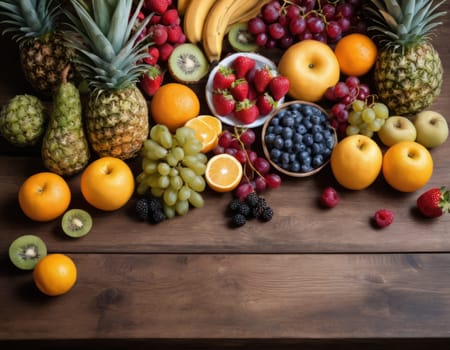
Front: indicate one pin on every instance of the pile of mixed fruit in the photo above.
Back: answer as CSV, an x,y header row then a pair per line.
x,y
348,82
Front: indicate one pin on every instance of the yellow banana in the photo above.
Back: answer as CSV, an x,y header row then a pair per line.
x,y
246,16
181,6
216,24
194,18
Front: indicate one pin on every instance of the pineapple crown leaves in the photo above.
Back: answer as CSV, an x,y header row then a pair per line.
x,y
108,48
400,24
29,18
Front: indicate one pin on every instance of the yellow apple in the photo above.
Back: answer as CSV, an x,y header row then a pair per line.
x,y
432,128
407,166
311,67
356,161
395,129
107,183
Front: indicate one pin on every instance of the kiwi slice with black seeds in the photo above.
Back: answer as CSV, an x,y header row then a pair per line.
x,y
188,64
76,223
25,251
240,39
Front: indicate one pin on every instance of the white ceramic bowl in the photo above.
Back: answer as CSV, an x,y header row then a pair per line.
x,y
261,61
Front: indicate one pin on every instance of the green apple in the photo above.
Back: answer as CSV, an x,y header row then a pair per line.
x,y
395,129
432,128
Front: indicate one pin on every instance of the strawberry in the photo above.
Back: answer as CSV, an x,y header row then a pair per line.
x,y
434,202
239,89
263,76
152,80
153,56
223,78
174,33
223,102
171,17
242,65
279,87
159,34
246,111
265,103
158,6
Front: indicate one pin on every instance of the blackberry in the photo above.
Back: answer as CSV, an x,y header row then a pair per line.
x,y
156,216
252,199
266,214
142,209
262,202
238,220
234,205
244,209
154,204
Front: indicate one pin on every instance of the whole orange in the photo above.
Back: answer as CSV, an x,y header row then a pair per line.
x,y
356,54
173,105
44,196
107,183
311,67
356,161
55,274
407,166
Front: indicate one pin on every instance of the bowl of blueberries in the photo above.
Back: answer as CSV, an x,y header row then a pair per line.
x,y
298,139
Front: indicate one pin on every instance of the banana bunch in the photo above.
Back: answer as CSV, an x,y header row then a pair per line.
x,y
206,22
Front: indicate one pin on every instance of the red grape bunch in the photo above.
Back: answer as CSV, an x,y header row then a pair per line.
x,y
257,170
342,95
283,23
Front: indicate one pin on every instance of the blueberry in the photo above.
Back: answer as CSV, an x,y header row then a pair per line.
x,y
307,123
308,139
295,106
288,121
298,147
316,148
301,129
295,167
315,119
317,160
297,137
278,142
275,120
303,156
316,128
269,139
318,137
288,145
329,141
278,129
287,133
306,168
285,157
292,157
275,154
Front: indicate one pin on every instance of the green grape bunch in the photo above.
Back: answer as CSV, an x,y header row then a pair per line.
x,y
173,169
366,119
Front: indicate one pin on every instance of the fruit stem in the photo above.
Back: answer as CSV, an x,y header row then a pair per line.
x,y
237,134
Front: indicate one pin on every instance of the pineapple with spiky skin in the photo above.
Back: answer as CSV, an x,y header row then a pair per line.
x,y
107,57
408,72
43,54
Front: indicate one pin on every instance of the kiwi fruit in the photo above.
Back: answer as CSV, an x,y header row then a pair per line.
x,y
187,63
241,39
76,223
25,251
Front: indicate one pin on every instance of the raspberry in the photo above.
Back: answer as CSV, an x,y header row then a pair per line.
x,y
383,217
329,197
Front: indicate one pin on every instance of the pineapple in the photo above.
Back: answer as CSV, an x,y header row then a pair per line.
x,y
65,150
408,72
43,54
22,120
107,57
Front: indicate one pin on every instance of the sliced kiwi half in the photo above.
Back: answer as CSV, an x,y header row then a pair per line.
x,y
241,39
188,64
76,223
25,251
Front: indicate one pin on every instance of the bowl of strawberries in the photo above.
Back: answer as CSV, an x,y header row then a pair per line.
x,y
244,88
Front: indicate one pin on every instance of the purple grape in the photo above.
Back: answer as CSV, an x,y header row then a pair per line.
x,y
297,25
261,165
256,25
276,30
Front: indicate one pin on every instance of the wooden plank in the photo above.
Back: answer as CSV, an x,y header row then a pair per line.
x,y
299,223
331,296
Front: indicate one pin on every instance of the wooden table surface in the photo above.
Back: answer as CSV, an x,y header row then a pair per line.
x,y
324,278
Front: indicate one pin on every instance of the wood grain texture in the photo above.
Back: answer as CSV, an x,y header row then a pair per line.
x,y
236,297
311,278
